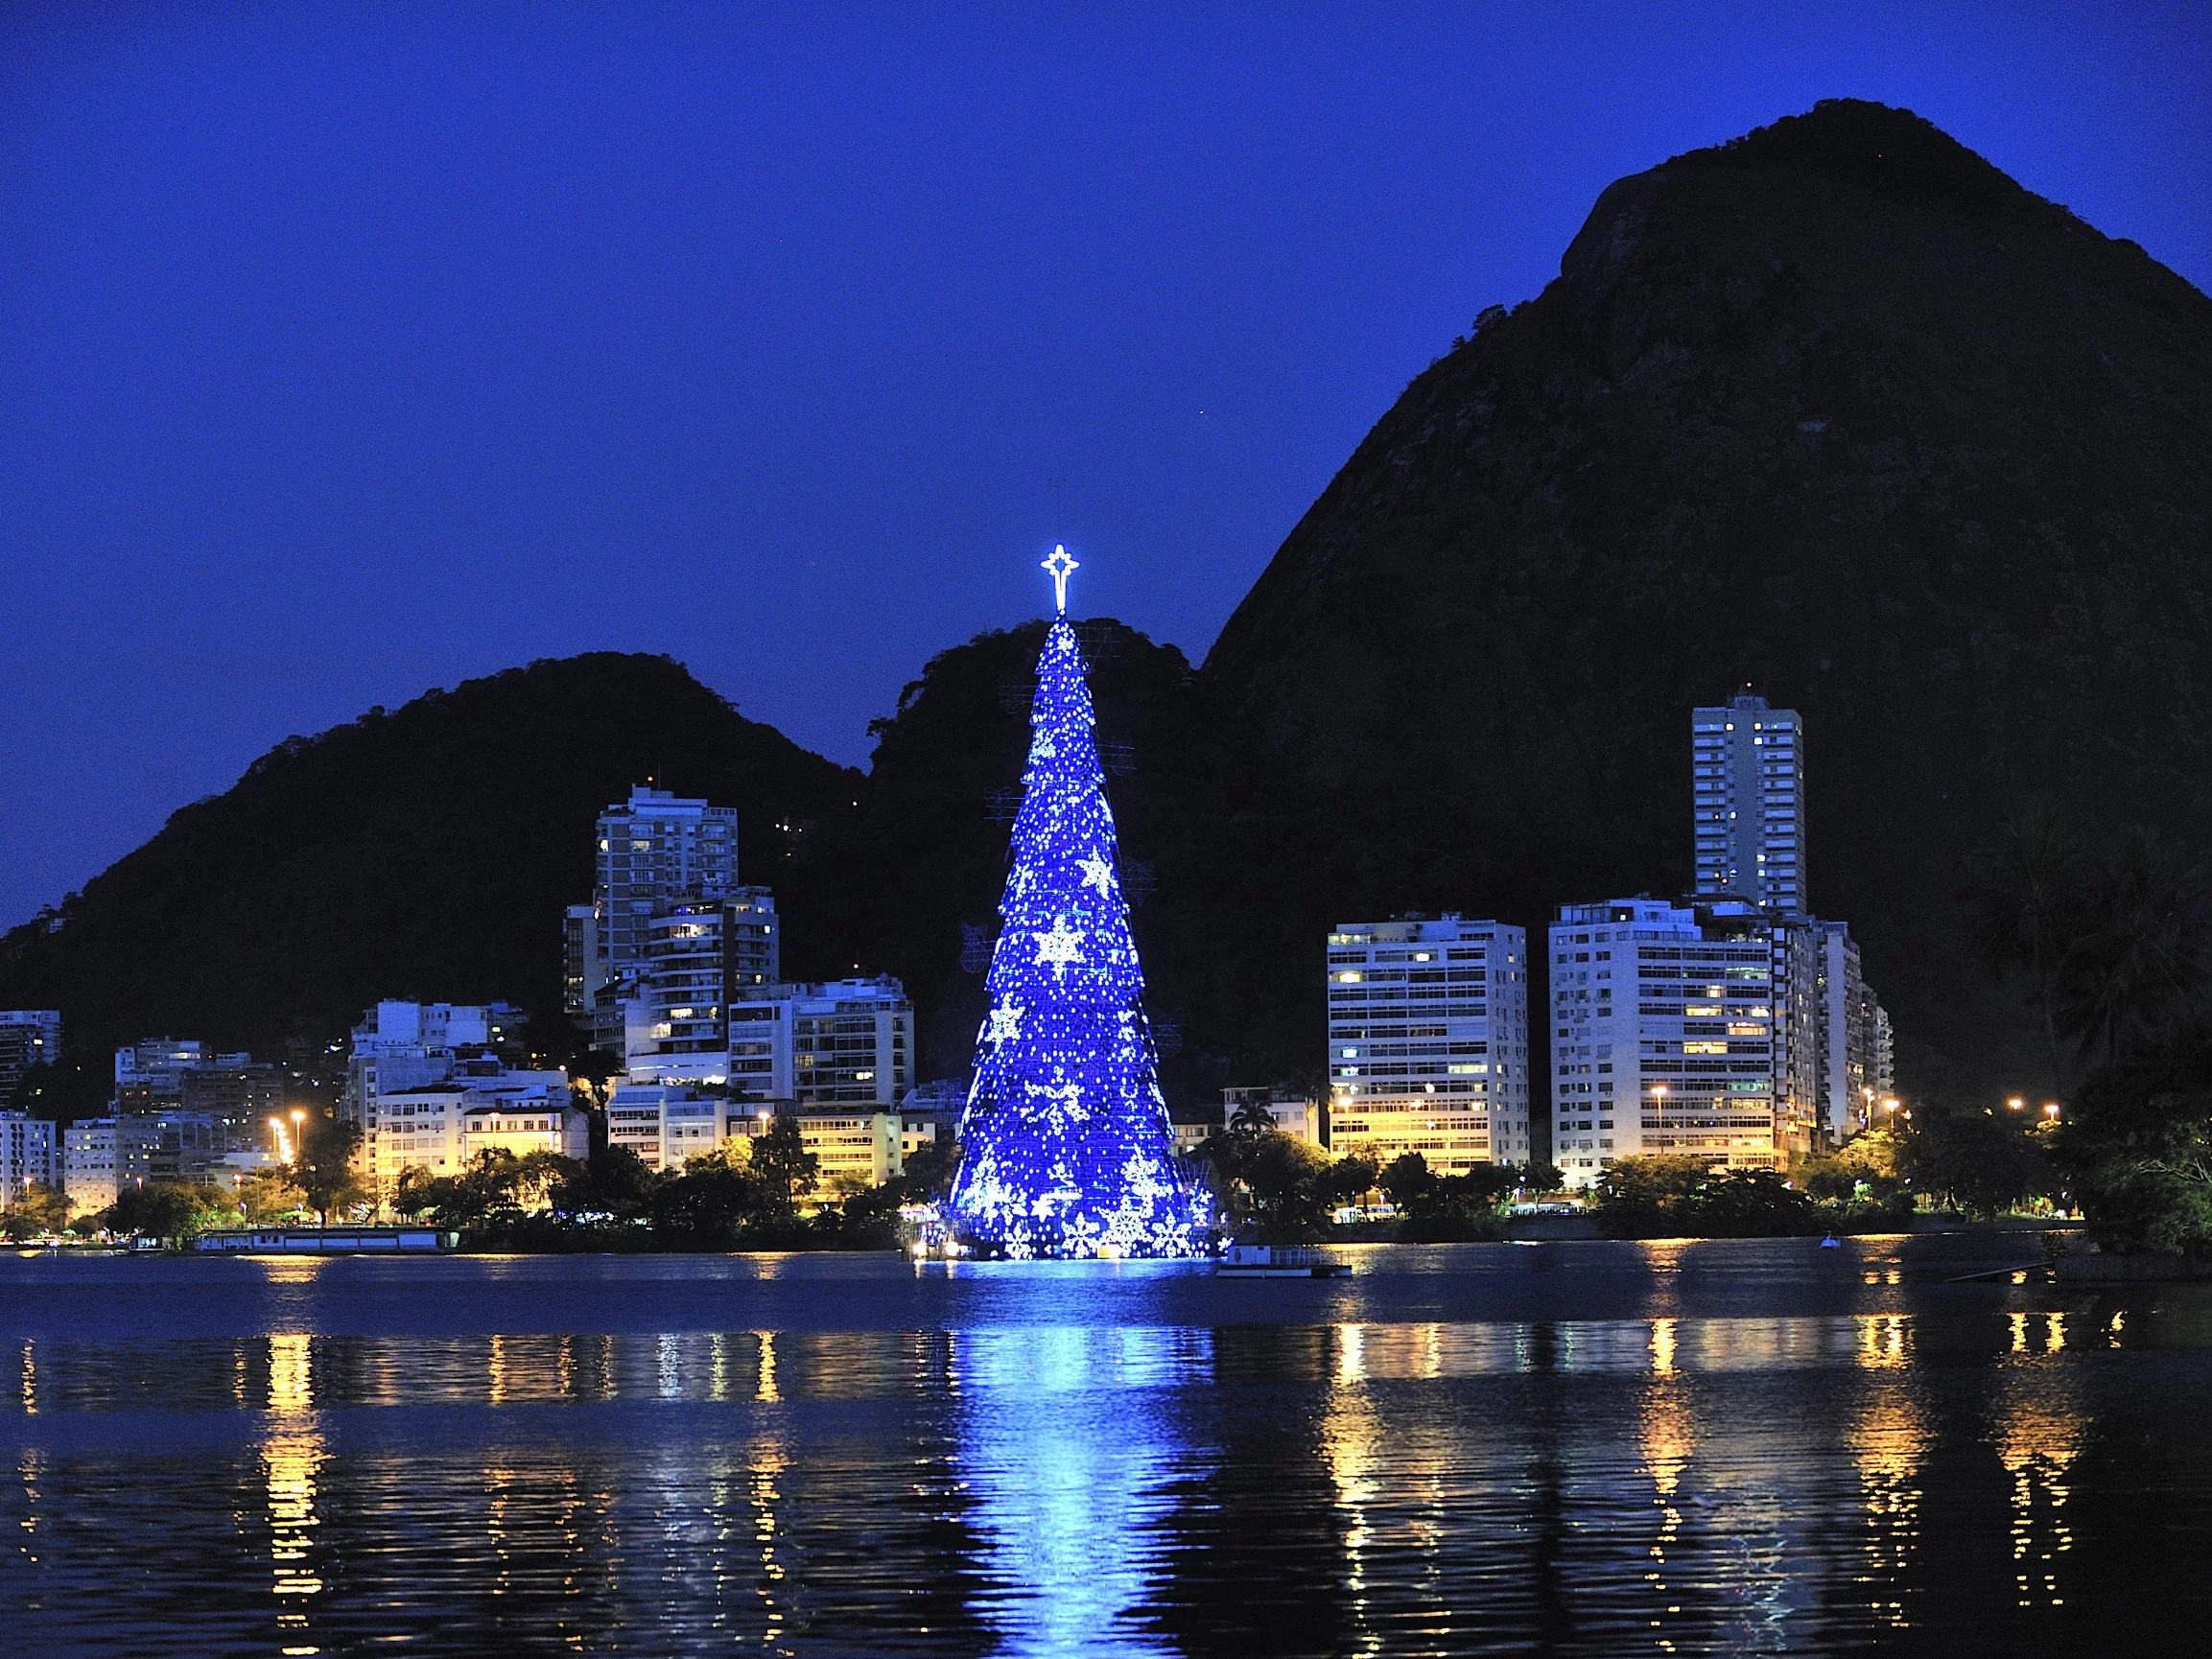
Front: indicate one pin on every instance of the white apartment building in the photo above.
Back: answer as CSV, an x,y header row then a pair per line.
x,y
1845,1009
1664,1038
667,1124
28,1156
847,1042
403,1045
1428,1042
89,1164
440,1127
28,1037
520,1126
863,1147
1748,788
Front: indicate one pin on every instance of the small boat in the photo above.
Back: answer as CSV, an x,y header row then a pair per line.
x,y
1278,1262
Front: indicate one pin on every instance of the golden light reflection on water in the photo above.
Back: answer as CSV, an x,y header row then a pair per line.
x,y
1351,1444
1666,1440
2039,1333
1350,1354
31,1471
293,1454
1884,1342
1889,1437
765,1388
2040,1435
29,1369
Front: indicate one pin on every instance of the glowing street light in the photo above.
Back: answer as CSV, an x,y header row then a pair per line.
x,y
2016,1102
2051,1111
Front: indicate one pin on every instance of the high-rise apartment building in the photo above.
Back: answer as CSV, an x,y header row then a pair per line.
x,y
656,849
846,1042
28,1037
700,956
1663,1037
1428,1042
1748,788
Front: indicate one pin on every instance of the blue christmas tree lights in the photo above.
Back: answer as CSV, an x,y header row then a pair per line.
x,y
1066,1150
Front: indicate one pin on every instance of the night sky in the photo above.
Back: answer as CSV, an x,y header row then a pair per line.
x,y
350,350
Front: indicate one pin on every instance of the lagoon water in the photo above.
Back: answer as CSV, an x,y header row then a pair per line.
x,y
1603,1449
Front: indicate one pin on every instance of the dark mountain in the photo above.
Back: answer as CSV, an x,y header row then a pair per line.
x,y
424,853
1837,409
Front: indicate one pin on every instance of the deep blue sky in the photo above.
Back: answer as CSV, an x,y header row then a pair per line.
x,y
349,350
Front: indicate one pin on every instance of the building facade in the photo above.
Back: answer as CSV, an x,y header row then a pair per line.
x,y
667,1124
29,1156
1663,1038
653,851
403,1045
700,955
1428,1042
1748,792
846,1042
28,1037
853,1149
438,1128
88,1164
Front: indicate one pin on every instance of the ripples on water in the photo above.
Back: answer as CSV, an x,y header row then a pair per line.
x,y
1754,1450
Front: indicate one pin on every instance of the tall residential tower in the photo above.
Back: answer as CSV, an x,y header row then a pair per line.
x,y
1748,780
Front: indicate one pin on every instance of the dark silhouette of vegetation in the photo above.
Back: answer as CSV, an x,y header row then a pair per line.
x,y
1449,1208
41,1209
64,1093
1982,1164
326,1167
1677,1195
2114,949
172,1211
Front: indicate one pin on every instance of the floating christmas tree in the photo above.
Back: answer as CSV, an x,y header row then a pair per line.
x,y
1066,1150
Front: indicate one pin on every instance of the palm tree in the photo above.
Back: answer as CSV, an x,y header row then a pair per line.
x,y
1252,1116
2142,959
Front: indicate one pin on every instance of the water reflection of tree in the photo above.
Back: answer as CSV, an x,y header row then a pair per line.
x,y
1253,1554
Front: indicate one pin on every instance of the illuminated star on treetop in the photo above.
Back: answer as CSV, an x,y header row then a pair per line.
x,y
1060,566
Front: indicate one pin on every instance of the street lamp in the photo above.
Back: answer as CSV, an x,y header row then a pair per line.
x,y
2016,1102
2051,1111
1659,1105
299,1134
